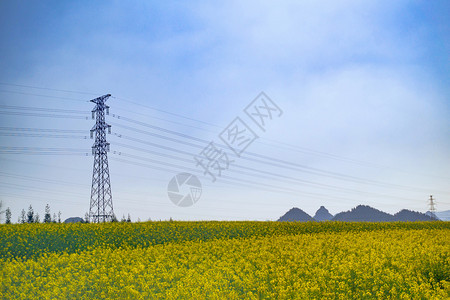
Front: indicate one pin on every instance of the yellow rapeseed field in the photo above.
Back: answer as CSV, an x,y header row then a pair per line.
x,y
226,260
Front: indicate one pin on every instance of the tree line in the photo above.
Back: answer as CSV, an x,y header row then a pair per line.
x,y
31,216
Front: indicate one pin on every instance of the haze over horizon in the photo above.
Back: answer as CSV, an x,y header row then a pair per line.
x,y
363,88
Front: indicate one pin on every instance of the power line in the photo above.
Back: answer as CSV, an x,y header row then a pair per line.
x,y
37,189
42,151
227,180
260,173
170,148
42,129
29,151
67,111
39,198
65,183
344,177
48,89
176,168
25,114
166,112
262,140
40,164
278,143
90,93
167,120
45,96
38,179
265,160
43,135
234,182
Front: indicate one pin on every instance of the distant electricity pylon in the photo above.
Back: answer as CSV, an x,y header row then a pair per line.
x,y
432,207
101,208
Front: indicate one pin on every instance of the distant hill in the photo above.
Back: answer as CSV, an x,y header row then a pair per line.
x,y
74,220
296,214
409,215
322,214
363,213
441,215
433,215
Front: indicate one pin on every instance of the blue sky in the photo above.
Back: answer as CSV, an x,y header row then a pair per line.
x,y
364,86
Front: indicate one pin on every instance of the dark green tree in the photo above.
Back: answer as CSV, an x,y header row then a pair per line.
x,y
47,216
30,215
23,217
1,211
129,219
114,219
86,218
8,216
36,218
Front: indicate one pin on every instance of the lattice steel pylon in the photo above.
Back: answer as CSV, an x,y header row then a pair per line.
x,y
432,210
101,208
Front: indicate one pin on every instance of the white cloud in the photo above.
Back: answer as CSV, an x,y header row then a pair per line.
x,y
349,82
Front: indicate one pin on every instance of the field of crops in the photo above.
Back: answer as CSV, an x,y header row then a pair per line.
x,y
225,260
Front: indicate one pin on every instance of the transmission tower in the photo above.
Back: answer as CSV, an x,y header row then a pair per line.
x,y
101,208
432,207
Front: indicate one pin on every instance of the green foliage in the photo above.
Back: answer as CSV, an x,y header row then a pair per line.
x,y
32,240
225,260
437,270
